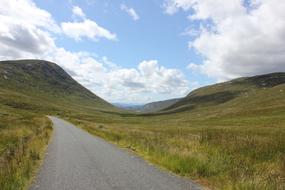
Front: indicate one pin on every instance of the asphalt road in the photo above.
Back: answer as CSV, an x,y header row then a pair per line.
x,y
76,160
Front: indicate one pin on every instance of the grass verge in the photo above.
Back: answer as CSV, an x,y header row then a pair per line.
x,y
23,140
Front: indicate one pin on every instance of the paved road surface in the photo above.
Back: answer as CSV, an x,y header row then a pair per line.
x,y
77,160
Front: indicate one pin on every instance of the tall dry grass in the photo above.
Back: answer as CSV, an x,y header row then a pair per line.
x,y
23,139
218,157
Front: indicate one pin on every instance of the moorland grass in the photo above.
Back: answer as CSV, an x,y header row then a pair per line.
x,y
23,138
218,154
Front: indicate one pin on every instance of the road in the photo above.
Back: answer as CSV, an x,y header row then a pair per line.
x,y
76,160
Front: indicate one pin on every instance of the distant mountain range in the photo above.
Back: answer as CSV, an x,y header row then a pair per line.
x,y
126,106
149,107
158,106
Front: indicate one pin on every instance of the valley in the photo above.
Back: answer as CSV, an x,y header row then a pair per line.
x,y
224,136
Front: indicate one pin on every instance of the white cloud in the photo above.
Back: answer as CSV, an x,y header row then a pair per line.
x,y
130,11
238,40
77,11
23,40
148,78
193,67
25,30
159,79
88,28
172,6
191,31
25,11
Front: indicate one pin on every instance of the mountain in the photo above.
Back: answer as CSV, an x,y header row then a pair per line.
x,y
126,106
149,107
38,83
249,93
157,106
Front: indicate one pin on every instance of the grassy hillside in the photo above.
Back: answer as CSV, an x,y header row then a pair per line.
x,y
157,106
225,136
46,81
231,92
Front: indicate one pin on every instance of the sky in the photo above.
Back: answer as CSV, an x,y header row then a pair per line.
x,y
132,51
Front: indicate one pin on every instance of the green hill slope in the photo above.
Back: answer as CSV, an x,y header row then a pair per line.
x,y
250,93
157,106
44,84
